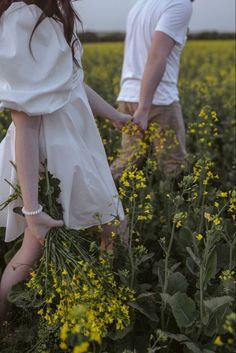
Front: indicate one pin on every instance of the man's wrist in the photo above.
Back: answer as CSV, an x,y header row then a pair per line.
x,y
144,109
144,112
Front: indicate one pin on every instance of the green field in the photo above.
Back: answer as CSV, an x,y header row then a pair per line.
x,y
181,260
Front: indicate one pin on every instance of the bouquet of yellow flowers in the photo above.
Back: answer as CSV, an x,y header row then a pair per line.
x,y
73,289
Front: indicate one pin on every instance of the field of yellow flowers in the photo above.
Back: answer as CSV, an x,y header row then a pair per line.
x,y
172,288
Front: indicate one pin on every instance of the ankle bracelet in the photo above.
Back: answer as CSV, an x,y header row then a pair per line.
x,y
32,213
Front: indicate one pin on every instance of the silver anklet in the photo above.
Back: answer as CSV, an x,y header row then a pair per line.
x,y
32,213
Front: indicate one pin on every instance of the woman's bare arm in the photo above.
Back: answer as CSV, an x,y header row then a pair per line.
x,y
103,109
27,157
27,163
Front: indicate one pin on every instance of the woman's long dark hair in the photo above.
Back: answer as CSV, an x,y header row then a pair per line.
x,y
60,10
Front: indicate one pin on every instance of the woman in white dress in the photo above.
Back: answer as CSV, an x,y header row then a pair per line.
x,y
41,82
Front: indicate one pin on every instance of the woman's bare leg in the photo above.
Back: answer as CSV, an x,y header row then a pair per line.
x,y
27,163
19,268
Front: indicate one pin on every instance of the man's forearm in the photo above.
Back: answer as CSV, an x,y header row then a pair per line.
x,y
154,71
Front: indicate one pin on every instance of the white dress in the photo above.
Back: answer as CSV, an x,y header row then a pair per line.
x,y
47,83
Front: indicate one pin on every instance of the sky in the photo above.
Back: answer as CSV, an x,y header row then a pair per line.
x,y
110,15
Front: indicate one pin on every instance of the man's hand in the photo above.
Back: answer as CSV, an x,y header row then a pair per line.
x,y
141,119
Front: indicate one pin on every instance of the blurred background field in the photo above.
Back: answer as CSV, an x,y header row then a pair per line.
x,y
206,79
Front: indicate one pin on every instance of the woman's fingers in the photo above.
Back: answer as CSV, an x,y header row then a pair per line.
x,y
40,225
57,224
127,118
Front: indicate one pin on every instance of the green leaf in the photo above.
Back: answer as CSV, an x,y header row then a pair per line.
x,y
193,347
222,255
185,237
214,304
182,339
146,295
166,298
118,335
177,283
192,267
146,307
183,309
145,258
217,308
22,297
193,256
175,266
211,267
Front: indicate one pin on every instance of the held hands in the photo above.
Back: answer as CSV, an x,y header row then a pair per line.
x,y
140,118
121,119
40,224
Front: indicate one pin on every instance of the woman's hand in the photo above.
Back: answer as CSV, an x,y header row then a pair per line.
x,y
120,119
39,225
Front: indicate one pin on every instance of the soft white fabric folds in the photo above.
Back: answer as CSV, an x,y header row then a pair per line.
x,y
51,85
34,78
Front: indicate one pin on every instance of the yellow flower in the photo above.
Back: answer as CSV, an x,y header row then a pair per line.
x,y
63,333
82,348
218,341
63,346
199,237
230,341
223,194
178,224
226,275
217,221
207,216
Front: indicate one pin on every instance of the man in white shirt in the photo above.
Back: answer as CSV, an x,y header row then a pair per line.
x,y
156,35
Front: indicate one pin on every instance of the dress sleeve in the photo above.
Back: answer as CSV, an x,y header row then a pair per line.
x,y
38,79
175,19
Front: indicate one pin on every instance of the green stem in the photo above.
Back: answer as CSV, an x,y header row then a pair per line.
x,y
167,274
231,250
201,285
133,267
50,204
202,214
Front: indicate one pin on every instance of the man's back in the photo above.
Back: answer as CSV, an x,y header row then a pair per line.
x,y
147,16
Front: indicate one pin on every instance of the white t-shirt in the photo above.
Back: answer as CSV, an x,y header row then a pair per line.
x,y
147,16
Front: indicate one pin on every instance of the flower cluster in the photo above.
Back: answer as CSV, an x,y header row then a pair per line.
x,y
87,303
205,127
228,340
